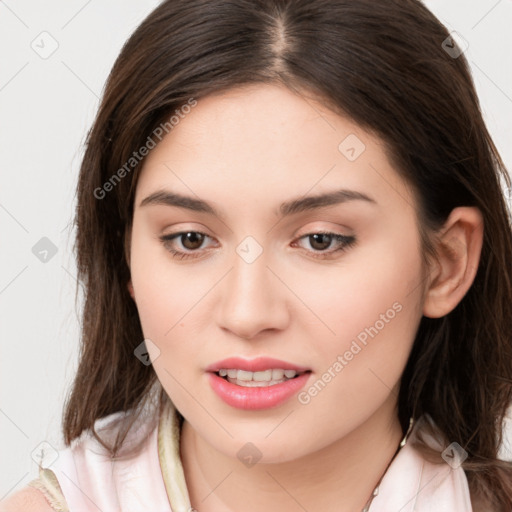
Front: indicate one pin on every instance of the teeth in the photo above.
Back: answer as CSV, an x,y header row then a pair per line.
x,y
261,376
277,374
243,375
255,384
257,379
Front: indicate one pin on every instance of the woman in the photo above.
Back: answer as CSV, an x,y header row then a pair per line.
x,y
296,255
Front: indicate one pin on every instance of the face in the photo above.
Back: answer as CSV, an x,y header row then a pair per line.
x,y
255,273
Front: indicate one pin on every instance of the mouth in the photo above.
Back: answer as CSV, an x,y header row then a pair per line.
x,y
259,379
256,384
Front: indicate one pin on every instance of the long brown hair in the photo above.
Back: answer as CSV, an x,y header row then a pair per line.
x,y
381,64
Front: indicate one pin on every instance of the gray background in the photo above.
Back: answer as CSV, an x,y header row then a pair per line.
x,y
47,104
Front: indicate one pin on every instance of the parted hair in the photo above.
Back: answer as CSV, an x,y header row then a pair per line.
x,y
381,64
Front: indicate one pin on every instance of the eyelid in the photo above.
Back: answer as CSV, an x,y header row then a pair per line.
x,y
344,243
332,228
170,237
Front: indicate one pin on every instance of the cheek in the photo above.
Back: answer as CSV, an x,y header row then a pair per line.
x,y
364,292
166,296
164,291
370,307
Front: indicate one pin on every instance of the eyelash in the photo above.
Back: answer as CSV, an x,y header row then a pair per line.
x,y
345,242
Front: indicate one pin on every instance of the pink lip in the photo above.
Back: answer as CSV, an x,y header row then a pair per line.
x,y
254,365
254,399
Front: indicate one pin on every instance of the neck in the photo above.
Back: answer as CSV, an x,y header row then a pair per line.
x,y
340,477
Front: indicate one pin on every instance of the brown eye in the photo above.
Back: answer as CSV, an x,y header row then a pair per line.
x,y
325,245
192,240
185,244
320,241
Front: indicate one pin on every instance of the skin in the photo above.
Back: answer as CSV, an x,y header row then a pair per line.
x,y
246,151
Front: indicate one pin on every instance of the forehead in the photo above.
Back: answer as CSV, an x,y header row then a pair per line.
x,y
259,142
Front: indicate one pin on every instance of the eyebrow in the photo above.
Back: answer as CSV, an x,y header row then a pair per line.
x,y
294,206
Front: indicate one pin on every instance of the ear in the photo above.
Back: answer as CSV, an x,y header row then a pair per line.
x,y
127,249
130,289
458,248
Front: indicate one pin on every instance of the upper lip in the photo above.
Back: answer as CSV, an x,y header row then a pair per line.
x,y
254,365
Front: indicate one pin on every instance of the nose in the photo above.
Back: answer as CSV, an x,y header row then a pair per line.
x,y
252,299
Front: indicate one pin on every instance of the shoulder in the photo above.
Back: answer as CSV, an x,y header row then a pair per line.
x,y
420,466
27,499
43,494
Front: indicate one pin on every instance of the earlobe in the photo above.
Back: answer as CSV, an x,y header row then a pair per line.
x,y
127,244
458,249
130,289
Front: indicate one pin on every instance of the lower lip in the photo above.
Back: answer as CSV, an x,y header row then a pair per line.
x,y
256,398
